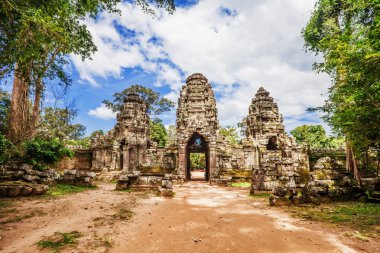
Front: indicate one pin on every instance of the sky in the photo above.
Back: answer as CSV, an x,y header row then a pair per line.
x,y
238,45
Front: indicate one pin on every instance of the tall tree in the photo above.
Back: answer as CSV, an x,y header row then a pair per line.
x,y
230,134
346,33
155,104
158,132
315,136
35,37
58,123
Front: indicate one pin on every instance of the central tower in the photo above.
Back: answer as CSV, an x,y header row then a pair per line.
x,y
197,122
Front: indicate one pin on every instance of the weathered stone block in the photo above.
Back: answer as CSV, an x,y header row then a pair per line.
x,y
279,201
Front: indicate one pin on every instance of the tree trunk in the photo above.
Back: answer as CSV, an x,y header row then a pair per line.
x,y
19,111
351,162
36,108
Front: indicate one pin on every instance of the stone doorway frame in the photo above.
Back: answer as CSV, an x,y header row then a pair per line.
x,y
205,150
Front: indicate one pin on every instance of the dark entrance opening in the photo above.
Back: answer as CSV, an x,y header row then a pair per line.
x,y
197,159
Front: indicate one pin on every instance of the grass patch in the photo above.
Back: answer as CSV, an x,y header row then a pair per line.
x,y
364,217
241,184
5,204
64,189
59,240
23,217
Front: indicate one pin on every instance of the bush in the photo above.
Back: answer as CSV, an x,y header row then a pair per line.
x,y
7,150
41,153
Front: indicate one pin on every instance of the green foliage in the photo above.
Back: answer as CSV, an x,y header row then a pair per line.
x,y
315,136
57,123
63,189
5,103
37,35
59,240
158,132
41,153
364,217
230,134
197,161
346,33
96,133
7,150
155,104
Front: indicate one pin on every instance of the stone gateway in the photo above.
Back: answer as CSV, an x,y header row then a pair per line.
x,y
266,155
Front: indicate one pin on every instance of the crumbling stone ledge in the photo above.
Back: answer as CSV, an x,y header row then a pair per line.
x,y
20,188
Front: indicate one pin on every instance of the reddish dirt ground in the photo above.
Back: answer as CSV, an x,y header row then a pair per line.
x,y
200,218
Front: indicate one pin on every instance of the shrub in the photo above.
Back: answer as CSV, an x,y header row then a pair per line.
x,y
7,150
41,153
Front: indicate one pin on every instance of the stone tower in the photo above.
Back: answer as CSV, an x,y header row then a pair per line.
x,y
264,121
124,147
197,118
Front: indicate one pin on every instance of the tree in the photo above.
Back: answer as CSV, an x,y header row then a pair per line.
x,y
230,134
197,160
5,103
346,33
158,132
155,104
57,123
315,136
36,36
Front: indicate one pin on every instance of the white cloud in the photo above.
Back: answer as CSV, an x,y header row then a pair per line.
x,y
102,112
259,46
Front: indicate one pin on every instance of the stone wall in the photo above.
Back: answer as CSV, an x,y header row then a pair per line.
x,y
82,160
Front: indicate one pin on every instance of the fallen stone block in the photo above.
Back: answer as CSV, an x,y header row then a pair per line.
x,y
279,201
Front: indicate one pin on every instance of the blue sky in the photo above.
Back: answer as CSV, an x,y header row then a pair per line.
x,y
238,45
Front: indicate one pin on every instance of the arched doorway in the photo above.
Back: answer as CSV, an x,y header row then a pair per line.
x,y
197,147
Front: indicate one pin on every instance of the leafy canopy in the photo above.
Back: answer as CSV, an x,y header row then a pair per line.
x,y
5,103
37,35
155,104
315,136
158,132
230,134
41,153
347,34
58,123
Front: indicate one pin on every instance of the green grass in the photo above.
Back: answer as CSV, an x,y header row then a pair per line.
x,y
364,217
63,189
4,204
34,213
241,184
59,241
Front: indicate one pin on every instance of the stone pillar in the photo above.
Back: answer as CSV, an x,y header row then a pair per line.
x,y
125,154
182,161
213,167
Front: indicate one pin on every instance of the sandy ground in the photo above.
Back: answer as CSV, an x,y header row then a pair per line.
x,y
200,218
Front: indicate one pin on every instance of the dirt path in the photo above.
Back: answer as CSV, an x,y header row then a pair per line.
x,y
200,218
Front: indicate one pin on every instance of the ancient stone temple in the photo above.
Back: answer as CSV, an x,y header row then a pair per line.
x,y
197,124
266,155
124,147
281,162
